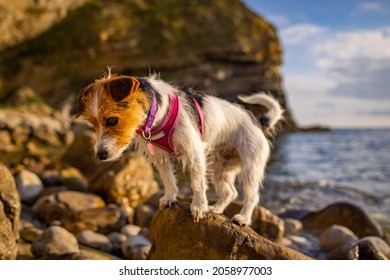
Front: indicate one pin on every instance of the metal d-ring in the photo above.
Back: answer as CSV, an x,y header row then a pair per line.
x,y
149,135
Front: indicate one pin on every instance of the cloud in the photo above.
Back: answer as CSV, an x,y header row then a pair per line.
x,y
301,33
359,61
370,6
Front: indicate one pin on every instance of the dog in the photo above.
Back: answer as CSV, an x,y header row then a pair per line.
x,y
212,138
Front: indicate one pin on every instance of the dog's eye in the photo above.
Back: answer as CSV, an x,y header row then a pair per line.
x,y
112,121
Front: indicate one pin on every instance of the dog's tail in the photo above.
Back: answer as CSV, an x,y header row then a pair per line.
x,y
275,111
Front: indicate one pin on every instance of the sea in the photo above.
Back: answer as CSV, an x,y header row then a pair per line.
x,y
309,170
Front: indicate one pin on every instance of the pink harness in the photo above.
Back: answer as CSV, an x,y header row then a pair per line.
x,y
161,135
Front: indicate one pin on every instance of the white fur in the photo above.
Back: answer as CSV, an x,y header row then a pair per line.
x,y
233,145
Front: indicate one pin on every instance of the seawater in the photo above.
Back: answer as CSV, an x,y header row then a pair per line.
x,y
342,164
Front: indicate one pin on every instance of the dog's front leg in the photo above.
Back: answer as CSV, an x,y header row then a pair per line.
x,y
199,205
165,169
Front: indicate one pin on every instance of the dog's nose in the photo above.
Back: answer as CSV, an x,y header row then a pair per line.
x,y
102,155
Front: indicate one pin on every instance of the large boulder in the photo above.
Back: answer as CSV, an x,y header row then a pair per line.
x,y
174,235
10,208
344,214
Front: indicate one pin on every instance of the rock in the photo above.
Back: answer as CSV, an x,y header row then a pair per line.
x,y
95,240
93,254
55,240
125,182
368,248
144,214
373,248
10,208
174,235
29,186
51,177
131,230
39,135
292,226
136,247
65,204
345,214
28,231
346,252
10,198
74,180
103,220
264,222
336,236
116,240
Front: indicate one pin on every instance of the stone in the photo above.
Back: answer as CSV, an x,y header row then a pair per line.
x,y
95,240
39,135
292,226
10,208
131,230
264,222
373,248
103,220
125,182
367,248
344,214
136,247
336,236
64,205
51,178
55,240
10,198
144,214
28,231
174,235
73,179
116,240
29,186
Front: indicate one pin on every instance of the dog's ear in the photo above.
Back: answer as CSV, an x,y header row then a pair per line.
x,y
80,100
121,87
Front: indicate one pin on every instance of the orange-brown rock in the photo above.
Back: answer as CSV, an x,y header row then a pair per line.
x,y
174,235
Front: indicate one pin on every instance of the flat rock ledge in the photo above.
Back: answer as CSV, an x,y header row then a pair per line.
x,y
174,236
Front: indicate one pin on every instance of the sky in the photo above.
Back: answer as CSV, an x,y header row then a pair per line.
x,y
336,61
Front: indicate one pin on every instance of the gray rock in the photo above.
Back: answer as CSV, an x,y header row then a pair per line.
x,y
368,248
55,240
136,247
95,240
336,236
29,185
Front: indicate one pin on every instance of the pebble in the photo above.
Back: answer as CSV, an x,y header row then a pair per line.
x,y
292,226
95,240
74,180
136,247
336,236
131,230
55,240
29,186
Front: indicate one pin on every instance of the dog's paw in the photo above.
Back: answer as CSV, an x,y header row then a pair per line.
x,y
198,211
241,220
166,202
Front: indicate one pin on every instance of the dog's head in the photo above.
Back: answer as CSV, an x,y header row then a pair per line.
x,y
116,106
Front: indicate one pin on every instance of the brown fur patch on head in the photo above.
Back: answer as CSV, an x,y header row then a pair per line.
x,y
116,97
